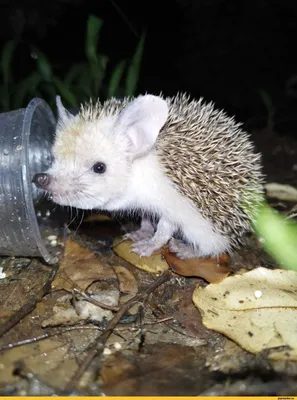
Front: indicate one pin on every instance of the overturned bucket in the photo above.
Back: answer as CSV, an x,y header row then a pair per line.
x,y
27,219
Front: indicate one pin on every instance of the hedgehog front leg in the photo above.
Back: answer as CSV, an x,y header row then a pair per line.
x,y
145,231
164,232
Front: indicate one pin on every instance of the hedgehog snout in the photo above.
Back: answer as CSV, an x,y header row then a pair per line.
x,y
42,180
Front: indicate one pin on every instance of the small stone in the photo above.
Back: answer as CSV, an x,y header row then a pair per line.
x,y
117,346
106,351
52,237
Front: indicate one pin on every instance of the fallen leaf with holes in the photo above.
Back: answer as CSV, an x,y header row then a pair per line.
x,y
211,269
127,281
154,264
79,268
257,309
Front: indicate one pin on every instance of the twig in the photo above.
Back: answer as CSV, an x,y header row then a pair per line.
x,y
131,27
47,335
28,307
97,348
166,322
94,301
160,321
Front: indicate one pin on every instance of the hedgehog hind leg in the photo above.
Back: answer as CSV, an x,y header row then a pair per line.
x,y
183,250
146,231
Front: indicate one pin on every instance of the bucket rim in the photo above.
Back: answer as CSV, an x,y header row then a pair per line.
x,y
34,104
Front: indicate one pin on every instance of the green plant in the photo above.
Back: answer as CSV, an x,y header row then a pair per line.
x,y
7,79
88,79
279,236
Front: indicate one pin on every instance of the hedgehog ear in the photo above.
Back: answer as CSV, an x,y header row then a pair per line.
x,y
64,116
141,121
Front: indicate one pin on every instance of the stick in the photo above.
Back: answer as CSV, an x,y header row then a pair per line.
x,y
97,348
94,301
47,336
28,307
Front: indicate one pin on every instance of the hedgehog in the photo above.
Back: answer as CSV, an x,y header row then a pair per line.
x,y
188,169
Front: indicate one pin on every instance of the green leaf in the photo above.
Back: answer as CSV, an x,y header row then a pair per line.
x,y
98,73
279,236
85,82
115,78
44,66
65,92
94,26
6,60
6,68
25,89
74,73
134,69
97,62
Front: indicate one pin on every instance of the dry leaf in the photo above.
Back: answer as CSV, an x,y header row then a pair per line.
x,y
211,269
163,369
79,268
127,281
281,191
97,217
55,357
257,309
154,264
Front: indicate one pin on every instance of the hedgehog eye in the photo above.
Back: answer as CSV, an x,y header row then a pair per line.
x,y
99,168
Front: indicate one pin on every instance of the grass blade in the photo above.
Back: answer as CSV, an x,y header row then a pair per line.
x,y
6,60
97,62
65,92
98,73
94,26
134,69
26,89
74,73
6,67
115,78
43,66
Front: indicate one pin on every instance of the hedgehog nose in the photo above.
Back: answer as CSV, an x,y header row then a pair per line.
x,y
42,181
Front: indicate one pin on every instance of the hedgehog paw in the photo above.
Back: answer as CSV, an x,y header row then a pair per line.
x,y
146,231
138,235
182,250
145,247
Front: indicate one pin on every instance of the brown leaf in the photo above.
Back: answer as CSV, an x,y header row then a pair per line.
x,y
163,368
206,268
55,357
79,268
127,280
97,217
154,264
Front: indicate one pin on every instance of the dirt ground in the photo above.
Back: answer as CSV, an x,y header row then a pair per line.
x,y
54,341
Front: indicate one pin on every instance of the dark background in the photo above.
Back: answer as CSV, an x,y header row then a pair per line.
x,y
225,51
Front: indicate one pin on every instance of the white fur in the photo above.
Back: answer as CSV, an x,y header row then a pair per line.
x,y
150,190
134,179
